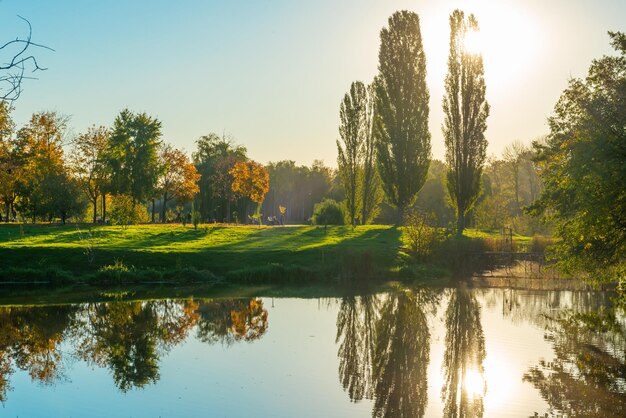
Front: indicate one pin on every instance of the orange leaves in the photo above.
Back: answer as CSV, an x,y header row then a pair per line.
x,y
250,179
249,323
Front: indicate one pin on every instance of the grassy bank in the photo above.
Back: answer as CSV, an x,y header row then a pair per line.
x,y
176,253
220,253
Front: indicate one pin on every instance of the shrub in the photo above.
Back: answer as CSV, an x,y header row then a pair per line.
x,y
421,237
123,213
327,212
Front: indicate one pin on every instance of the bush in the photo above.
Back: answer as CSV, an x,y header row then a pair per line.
x,y
421,238
327,212
123,212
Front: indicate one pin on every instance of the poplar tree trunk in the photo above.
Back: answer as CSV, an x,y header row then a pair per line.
x,y
460,224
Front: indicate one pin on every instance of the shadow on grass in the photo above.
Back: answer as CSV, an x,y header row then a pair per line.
x,y
298,253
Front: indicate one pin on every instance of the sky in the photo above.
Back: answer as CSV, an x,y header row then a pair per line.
x,y
272,73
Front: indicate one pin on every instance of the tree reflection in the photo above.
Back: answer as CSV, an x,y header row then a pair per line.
x,y
129,337
464,355
401,356
231,320
30,339
587,376
356,322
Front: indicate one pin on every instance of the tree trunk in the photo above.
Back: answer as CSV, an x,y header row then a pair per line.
x,y
104,208
163,208
364,210
153,210
518,207
228,211
95,210
63,215
460,223
400,210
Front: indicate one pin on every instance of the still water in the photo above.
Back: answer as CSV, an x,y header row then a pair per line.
x,y
404,353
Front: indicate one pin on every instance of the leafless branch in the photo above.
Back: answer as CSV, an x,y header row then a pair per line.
x,y
12,71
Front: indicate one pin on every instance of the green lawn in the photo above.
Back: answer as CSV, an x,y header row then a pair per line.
x,y
211,253
222,250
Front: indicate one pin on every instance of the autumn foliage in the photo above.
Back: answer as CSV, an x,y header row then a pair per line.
x,y
250,179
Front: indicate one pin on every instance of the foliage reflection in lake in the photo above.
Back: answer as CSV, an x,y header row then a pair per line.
x,y
457,352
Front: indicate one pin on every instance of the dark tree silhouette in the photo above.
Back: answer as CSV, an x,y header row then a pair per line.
x,y
466,112
465,353
401,357
356,325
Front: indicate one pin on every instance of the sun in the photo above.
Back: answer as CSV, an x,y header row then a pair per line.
x,y
472,43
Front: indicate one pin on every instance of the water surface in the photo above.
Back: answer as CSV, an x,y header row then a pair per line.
x,y
405,353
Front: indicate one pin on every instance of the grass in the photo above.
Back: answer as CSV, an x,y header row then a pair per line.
x,y
215,254
143,253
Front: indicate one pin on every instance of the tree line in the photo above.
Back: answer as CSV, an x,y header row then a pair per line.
x,y
128,173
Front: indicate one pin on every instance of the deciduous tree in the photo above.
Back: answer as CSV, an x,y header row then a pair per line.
x,y
91,165
402,135
466,110
583,167
179,177
251,180
133,155
352,131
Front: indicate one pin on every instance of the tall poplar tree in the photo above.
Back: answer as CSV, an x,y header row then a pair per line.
x,y
466,110
352,116
401,126
371,192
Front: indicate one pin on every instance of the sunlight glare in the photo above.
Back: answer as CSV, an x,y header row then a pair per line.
x,y
472,43
474,384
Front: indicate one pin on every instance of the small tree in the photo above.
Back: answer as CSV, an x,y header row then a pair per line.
x,y
196,216
89,161
179,177
327,212
250,179
124,213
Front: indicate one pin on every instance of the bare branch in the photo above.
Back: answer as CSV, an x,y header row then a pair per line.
x,y
12,71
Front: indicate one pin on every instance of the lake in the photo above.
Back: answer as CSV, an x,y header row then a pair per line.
x,y
404,352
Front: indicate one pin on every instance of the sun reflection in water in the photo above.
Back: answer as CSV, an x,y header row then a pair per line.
x,y
474,384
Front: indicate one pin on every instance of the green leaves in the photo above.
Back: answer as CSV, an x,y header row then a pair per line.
x,y
133,148
584,166
401,121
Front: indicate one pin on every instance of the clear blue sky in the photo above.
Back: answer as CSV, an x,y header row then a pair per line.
x,y
272,73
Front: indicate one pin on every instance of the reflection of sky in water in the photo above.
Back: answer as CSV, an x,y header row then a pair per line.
x,y
293,369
